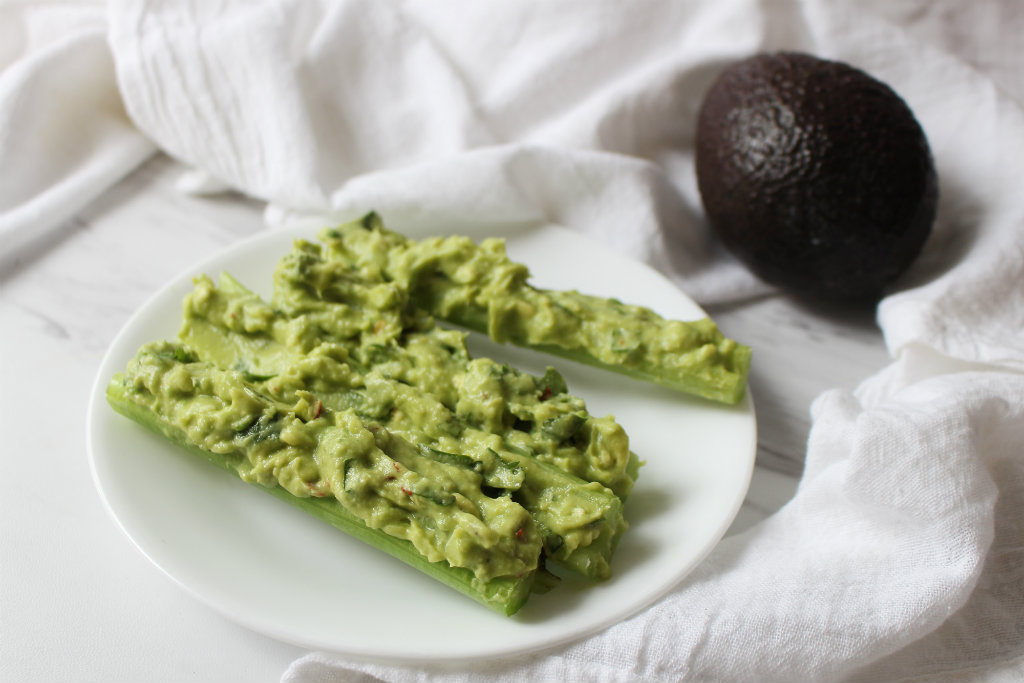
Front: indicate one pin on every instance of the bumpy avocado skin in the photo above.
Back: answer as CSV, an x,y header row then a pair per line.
x,y
815,175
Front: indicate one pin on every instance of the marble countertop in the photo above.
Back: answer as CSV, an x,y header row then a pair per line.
x,y
77,600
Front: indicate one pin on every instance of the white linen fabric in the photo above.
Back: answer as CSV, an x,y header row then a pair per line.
x,y
64,135
902,554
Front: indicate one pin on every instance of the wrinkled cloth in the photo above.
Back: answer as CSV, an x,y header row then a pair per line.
x,y
64,134
901,556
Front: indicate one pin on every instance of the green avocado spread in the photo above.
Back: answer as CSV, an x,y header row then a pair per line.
x,y
341,390
310,450
478,287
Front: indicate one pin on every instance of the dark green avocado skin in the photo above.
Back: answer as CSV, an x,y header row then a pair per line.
x,y
815,175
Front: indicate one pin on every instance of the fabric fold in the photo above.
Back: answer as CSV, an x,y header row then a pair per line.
x,y
64,135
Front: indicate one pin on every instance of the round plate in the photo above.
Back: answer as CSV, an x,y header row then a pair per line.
x,y
280,572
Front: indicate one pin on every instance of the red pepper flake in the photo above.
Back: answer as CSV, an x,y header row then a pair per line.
x,y
390,477
317,409
319,489
520,533
546,394
406,491
398,467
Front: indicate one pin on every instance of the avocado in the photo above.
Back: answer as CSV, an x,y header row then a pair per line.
x,y
815,175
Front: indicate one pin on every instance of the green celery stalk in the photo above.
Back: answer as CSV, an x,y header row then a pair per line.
x,y
505,595
476,286
215,343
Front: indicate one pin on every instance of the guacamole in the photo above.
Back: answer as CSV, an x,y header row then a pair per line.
x,y
504,424
309,450
478,287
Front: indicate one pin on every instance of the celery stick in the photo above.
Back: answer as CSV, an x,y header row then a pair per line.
x,y
477,287
504,594
585,548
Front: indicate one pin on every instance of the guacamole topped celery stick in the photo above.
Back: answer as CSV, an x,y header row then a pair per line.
x,y
532,466
478,287
356,475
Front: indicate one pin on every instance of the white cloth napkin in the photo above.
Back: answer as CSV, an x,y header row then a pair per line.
x,y
64,135
902,554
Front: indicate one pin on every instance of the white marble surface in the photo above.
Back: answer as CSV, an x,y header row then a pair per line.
x,y
77,601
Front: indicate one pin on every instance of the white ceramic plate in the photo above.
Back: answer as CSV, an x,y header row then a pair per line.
x,y
280,572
